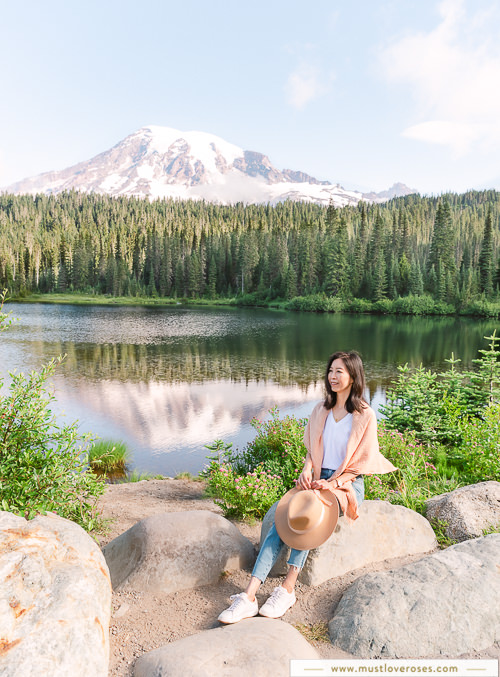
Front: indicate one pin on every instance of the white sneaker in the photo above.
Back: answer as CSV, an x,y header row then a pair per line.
x,y
280,601
241,608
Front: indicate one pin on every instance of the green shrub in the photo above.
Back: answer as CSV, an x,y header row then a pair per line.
x,y
358,306
414,305
253,299
315,303
416,478
482,308
243,496
278,447
478,455
383,306
42,467
246,484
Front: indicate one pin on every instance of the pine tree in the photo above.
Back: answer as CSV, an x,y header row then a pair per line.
x,y
416,281
359,255
441,248
336,273
404,274
486,257
291,282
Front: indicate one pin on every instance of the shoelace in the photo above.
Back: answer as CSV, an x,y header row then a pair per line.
x,y
275,595
237,600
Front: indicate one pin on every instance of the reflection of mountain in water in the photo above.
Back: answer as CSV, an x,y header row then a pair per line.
x,y
180,418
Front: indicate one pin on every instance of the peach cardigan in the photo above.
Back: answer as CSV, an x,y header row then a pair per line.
x,y
362,457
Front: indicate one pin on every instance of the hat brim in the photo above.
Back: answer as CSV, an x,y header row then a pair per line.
x,y
315,537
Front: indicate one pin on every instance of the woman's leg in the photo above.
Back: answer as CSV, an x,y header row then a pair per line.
x,y
267,557
244,604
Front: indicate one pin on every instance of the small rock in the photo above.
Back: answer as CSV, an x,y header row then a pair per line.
x,y
467,510
122,610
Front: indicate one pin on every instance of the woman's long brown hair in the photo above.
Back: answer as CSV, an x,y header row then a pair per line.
x,y
354,366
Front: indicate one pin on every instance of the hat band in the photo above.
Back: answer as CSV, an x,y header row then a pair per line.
x,y
310,528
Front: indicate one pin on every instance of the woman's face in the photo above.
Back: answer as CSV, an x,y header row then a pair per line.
x,y
338,377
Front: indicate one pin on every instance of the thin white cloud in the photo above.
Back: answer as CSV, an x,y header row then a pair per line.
x,y
305,84
453,72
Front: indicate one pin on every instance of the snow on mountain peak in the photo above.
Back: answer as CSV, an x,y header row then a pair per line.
x,y
161,162
202,146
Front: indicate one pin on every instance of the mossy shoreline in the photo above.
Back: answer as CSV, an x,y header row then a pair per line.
x,y
316,303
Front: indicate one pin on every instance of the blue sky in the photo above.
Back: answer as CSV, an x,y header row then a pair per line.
x,y
358,92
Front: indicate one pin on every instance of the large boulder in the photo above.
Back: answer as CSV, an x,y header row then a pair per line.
x,y
255,646
467,511
176,551
55,599
445,604
382,531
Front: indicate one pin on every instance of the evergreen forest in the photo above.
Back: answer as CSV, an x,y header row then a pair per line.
x,y
415,254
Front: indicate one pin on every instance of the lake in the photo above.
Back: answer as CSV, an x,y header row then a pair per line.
x,y
169,380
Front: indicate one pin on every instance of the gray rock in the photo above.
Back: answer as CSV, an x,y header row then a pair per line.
x,y
176,551
382,531
445,604
55,599
254,647
468,510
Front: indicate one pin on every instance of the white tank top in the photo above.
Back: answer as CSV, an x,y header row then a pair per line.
x,y
335,436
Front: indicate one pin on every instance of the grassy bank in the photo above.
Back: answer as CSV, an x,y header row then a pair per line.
x,y
80,299
423,305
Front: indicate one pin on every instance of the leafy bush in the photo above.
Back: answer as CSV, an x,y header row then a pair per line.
x,y
479,452
383,306
416,477
278,447
482,308
243,496
358,306
42,467
246,484
253,299
415,305
315,303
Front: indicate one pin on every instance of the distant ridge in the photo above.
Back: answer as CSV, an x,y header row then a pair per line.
x,y
157,162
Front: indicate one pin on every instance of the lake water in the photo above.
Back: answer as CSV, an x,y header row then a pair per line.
x,y
168,380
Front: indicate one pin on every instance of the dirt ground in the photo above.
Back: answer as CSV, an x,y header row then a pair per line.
x,y
144,621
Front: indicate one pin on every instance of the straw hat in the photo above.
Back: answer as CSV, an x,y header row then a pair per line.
x,y
305,519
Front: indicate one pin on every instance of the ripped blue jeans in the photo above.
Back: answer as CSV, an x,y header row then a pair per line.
x,y
271,547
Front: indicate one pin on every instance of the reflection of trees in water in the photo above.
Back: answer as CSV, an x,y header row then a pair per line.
x,y
186,364
292,352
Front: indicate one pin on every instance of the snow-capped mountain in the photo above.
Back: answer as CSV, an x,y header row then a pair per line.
x,y
157,162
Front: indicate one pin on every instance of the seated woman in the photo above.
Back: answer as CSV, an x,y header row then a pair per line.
x,y
342,446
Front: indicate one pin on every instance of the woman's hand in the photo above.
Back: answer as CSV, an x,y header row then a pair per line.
x,y
305,478
321,484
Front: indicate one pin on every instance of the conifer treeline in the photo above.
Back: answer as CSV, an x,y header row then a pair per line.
x,y
448,247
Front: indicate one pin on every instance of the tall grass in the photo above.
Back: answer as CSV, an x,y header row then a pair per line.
x,y
108,456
